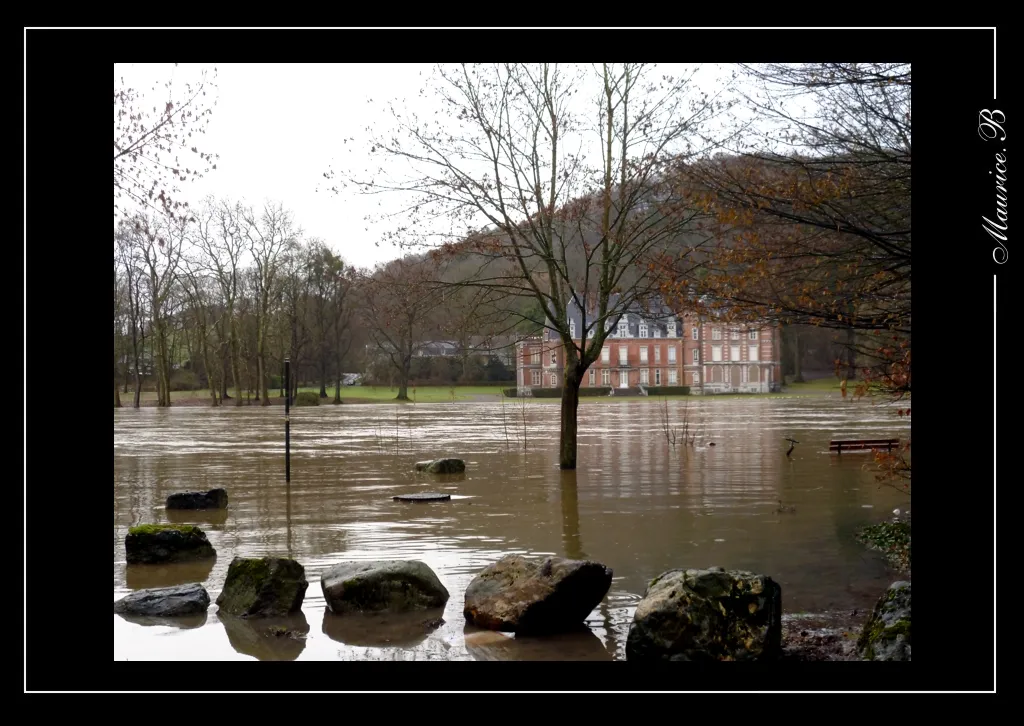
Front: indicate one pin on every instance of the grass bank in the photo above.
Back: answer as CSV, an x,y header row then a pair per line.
x,y
448,394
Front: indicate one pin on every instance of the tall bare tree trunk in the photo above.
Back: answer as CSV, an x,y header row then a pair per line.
x,y
235,368
798,358
570,404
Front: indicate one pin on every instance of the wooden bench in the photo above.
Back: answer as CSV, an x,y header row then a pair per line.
x,y
839,447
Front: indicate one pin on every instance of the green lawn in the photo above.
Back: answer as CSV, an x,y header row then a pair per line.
x,y
444,394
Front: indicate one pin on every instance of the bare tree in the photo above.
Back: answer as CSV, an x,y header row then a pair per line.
x,y
218,236
512,177
161,250
398,301
155,132
268,233
128,255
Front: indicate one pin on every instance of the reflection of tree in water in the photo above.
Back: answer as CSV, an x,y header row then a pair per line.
x,y
267,638
572,544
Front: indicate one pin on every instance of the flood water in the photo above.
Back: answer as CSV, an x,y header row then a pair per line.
x,y
637,504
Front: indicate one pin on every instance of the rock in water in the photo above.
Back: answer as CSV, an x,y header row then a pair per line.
x,y
442,466
265,587
519,595
213,499
710,614
886,635
385,585
156,543
165,602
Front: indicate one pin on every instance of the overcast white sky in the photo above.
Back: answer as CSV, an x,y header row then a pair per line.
x,y
279,127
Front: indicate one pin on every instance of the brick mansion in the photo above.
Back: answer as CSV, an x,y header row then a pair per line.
x,y
646,351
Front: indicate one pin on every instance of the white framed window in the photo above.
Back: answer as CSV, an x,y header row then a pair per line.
x,y
752,352
643,353
716,353
554,380
623,355
671,354
606,354
695,332
623,327
734,334
671,330
716,334
696,356
535,377
592,376
645,376
735,353
752,335
554,357
657,354
535,356
606,377
572,328
643,328
657,376
672,379
657,332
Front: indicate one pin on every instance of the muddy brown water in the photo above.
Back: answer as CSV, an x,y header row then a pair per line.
x,y
637,503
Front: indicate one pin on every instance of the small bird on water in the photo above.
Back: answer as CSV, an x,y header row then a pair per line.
x,y
784,509
792,445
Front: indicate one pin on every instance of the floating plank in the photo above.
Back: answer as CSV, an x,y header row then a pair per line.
x,y
432,497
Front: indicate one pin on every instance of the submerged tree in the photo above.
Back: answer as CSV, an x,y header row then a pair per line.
x,y
510,176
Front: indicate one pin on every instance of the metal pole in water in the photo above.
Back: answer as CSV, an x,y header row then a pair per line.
x,y
287,423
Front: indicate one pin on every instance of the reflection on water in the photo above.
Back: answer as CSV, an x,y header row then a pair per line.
x,y
183,621
141,577
382,630
637,504
280,638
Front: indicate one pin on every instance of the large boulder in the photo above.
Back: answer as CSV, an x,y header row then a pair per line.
x,y
165,602
442,466
156,543
213,499
710,614
520,595
264,587
384,585
886,635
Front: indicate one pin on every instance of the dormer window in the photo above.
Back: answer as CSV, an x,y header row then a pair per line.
x,y
643,328
672,330
623,327
572,328
657,332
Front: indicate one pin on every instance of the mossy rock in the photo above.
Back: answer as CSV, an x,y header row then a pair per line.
x,y
707,615
535,596
165,602
159,543
382,586
213,499
886,635
264,587
441,466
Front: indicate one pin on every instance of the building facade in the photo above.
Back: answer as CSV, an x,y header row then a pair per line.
x,y
645,351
